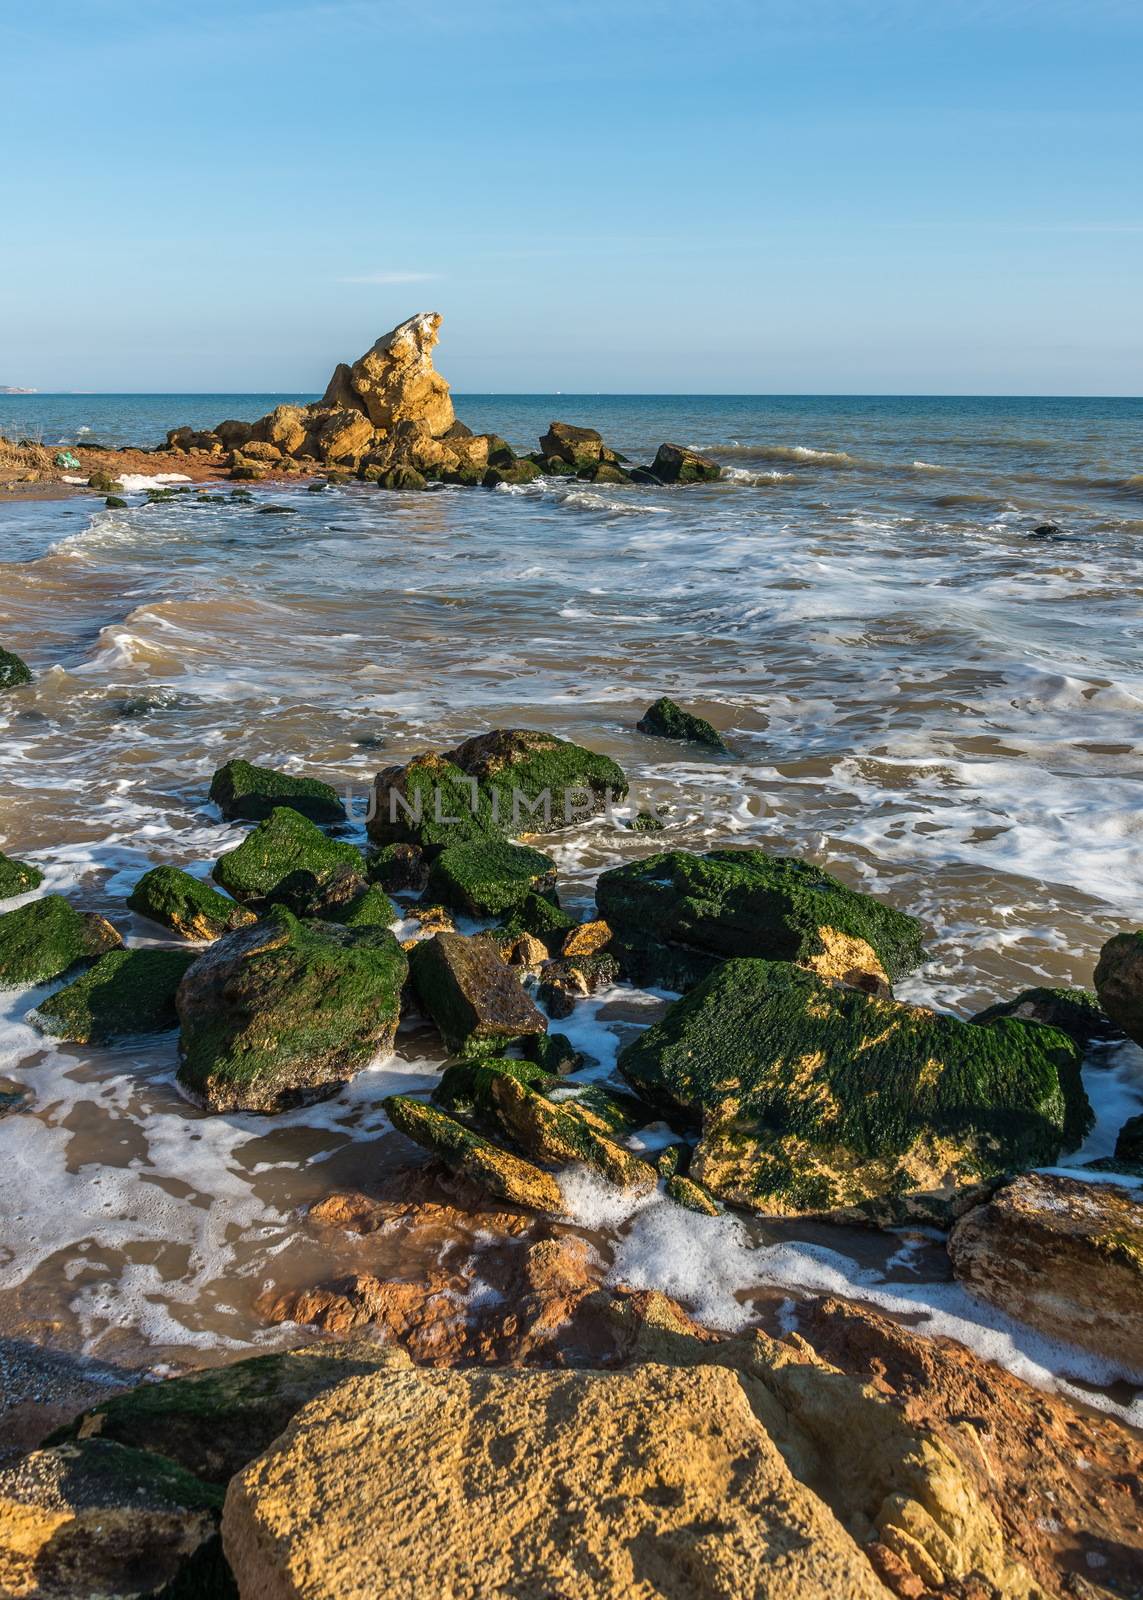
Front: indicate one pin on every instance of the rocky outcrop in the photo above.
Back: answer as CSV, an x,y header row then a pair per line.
x,y
126,992
241,790
666,720
817,1099
675,916
46,938
186,905
508,781
1119,982
475,1000
394,380
285,1012
411,1482
1063,1255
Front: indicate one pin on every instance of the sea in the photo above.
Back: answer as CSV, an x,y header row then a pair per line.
x,y
916,621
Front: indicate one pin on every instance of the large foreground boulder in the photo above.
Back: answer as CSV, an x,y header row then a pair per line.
x,y
506,782
674,916
815,1098
46,938
285,1012
1119,982
655,1482
1063,1255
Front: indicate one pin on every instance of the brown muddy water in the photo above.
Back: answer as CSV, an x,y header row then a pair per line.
x,y
920,696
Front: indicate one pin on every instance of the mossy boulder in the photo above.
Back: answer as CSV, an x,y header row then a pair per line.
x,y
675,916
115,502
1119,982
398,867
46,938
674,463
609,1111
371,909
288,860
465,1087
606,472
13,671
17,877
474,998
126,992
576,447
816,1098
241,790
553,1053
667,720
1076,1012
559,1135
542,918
490,876
498,784
105,483
521,471
401,477
497,1172
284,1013
186,905
212,1423
690,1195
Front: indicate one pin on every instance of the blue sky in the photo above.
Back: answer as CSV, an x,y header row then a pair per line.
x,y
831,196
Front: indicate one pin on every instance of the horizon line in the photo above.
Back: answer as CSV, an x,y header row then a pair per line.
x,y
594,394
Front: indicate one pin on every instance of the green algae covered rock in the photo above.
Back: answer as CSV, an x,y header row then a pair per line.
x,y
675,916
46,938
558,1135
816,1098
666,720
126,992
371,909
541,917
398,866
498,784
241,790
611,1111
690,1195
285,1012
288,859
490,876
1119,982
1076,1012
673,463
465,1087
554,1052
474,998
212,1423
186,905
17,877
13,671
519,471
497,1172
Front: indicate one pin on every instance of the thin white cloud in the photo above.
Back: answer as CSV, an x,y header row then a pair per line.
x,y
393,277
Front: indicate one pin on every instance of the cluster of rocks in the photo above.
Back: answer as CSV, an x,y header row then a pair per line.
x,y
793,1084
389,420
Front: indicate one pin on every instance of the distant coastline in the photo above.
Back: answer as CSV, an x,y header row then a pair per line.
x,y
11,389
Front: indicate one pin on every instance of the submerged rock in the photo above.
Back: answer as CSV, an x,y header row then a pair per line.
x,y
288,860
17,877
475,1000
675,916
1063,1255
13,671
509,781
46,938
818,1099
284,1013
410,1482
675,464
490,877
241,790
666,720
1119,982
495,1171
93,1518
1075,1012
186,905
126,992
